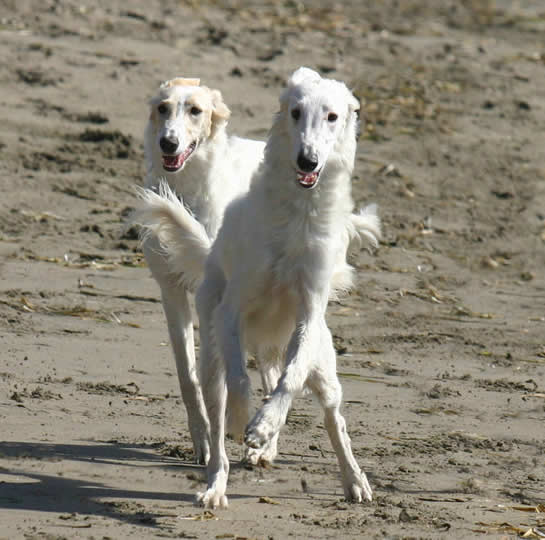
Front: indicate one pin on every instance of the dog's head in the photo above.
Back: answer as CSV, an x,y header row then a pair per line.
x,y
183,116
318,112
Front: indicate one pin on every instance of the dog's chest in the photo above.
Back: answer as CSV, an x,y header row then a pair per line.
x,y
270,316
302,256
297,273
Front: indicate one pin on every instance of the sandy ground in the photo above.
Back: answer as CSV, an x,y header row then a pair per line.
x,y
441,347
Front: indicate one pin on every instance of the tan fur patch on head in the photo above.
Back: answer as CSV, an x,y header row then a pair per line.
x,y
221,111
180,81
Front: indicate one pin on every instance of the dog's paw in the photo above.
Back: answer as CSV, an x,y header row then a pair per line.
x,y
212,499
202,451
259,431
358,490
262,456
258,457
200,436
256,436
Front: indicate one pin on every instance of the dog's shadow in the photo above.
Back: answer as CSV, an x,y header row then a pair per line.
x,y
23,489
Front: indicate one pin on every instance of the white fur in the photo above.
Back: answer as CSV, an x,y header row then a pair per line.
x,y
270,273
218,170
279,256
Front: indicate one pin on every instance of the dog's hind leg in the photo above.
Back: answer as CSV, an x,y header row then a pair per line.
x,y
180,327
213,377
325,384
230,345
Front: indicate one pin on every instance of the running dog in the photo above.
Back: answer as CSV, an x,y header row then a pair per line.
x,y
186,145
280,254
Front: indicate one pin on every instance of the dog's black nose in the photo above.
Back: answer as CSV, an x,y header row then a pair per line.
x,y
169,145
305,164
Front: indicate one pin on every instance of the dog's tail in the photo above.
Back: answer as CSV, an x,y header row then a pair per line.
x,y
184,241
365,225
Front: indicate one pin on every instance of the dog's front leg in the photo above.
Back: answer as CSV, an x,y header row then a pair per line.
x,y
180,328
269,367
300,353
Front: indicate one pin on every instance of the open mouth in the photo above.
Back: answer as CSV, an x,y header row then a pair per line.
x,y
308,180
175,163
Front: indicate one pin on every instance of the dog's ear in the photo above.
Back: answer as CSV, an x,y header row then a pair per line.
x,y
180,81
354,106
220,111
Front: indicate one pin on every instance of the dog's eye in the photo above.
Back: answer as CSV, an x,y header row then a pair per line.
x,y
295,114
332,117
195,111
163,109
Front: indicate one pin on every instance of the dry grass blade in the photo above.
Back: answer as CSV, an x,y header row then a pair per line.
x,y
84,260
358,377
436,410
267,500
430,294
79,311
539,509
463,311
131,297
521,532
445,499
41,216
75,311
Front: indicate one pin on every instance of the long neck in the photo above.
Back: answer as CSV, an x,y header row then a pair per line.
x,y
302,229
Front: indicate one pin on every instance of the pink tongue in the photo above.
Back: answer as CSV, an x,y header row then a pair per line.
x,y
308,179
174,161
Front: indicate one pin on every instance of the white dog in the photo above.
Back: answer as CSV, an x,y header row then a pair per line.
x,y
279,256
186,144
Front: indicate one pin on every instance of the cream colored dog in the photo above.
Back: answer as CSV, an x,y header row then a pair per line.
x,y
187,146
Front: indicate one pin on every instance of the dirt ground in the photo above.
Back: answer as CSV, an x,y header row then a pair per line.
x,y
441,346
